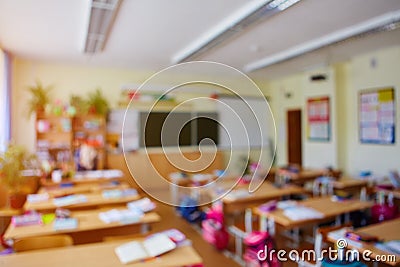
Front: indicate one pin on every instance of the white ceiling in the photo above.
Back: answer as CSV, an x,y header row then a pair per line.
x,y
148,33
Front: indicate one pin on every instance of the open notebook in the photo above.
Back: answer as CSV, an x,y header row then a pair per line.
x,y
153,246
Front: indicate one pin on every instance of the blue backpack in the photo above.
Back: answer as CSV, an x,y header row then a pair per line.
x,y
189,210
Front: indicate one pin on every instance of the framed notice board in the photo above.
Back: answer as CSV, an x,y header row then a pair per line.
x,y
318,118
377,116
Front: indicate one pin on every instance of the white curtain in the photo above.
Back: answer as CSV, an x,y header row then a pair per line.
x,y
5,100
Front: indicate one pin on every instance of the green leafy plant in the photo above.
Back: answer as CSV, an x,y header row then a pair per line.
x,y
40,97
12,162
79,103
97,103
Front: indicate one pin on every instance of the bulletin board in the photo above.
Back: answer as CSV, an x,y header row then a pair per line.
x,y
318,118
377,116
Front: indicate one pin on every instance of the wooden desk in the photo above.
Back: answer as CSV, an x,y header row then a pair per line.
x,y
56,191
81,178
93,200
387,231
97,254
90,227
347,183
266,192
324,205
5,217
302,176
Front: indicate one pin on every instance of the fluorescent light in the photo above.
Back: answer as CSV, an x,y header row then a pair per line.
x,y
386,22
101,18
250,14
282,4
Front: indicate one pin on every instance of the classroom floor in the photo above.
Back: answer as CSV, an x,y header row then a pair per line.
x,y
211,257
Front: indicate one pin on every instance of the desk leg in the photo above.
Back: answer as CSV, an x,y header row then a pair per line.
x,y
144,228
174,193
239,236
195,193
263,223
271,226
296,236
347,217
248,221
338,221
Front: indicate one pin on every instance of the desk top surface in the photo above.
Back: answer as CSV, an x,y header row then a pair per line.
x,y
93,200
87,220
323,205
347,182
55,191
386,231
266,191
96,254
99,176
303,175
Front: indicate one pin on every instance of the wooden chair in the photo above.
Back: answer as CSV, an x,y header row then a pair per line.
x,y
42,242
123,237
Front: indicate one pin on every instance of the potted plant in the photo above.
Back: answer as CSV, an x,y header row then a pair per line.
x,y
12,164
80,105
40,98
97,103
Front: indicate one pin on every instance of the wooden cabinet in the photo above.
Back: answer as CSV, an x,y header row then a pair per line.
x,y
54,137
59,138
91,130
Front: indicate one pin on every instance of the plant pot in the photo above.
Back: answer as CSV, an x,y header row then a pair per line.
x,y
17,200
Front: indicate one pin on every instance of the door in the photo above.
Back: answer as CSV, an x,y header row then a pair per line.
x,y
294,136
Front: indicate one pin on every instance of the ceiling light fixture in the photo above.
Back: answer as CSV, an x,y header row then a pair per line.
x,y
387,22
249,15
101,17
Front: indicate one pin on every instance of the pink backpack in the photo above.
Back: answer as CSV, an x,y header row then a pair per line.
x,y
215,233
260,241
216,213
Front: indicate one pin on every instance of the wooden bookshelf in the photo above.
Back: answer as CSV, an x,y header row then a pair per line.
x,y
58,138
91,129
54,136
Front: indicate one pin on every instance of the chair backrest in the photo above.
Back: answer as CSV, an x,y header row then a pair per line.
x,y
42,242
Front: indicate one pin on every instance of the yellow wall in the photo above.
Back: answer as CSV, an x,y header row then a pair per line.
x,y
79,80
343,83
346,80
378,158
284,94
2,98
318,154
67,80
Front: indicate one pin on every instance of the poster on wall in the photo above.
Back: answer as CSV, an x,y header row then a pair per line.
x,y
377,113
318,118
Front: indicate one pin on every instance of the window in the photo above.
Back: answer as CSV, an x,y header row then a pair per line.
x,y
5,99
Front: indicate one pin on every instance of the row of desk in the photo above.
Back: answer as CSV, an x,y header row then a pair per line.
x,y
89,248
96,254
328,208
